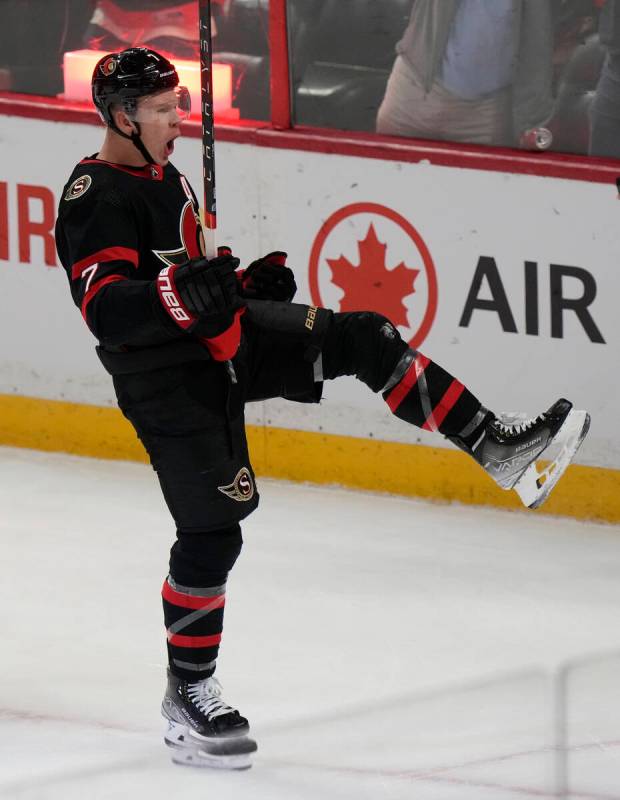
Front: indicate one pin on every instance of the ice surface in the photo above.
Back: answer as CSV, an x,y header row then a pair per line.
x,y
381,647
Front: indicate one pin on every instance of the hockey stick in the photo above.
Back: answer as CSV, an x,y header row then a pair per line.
x,y
257,308
208,138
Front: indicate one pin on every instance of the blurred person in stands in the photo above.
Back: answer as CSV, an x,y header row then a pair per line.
x,y
170,26
605,110
476,71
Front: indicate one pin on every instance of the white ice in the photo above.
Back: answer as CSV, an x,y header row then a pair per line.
x,y
381,647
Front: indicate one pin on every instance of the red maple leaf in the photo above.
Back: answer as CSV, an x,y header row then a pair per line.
x,y
371,285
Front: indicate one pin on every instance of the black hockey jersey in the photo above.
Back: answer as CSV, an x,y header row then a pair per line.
x,y
117,228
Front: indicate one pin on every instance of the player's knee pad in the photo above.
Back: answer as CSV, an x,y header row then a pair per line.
x,y
205,558
364,344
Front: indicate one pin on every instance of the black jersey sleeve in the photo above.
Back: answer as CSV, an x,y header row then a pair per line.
x,y
97,237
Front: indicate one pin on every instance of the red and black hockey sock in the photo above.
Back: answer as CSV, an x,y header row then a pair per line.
x,y
416,389
194,595
424,394
194,618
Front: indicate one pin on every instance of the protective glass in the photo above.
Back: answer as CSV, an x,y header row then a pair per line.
x,y
166,108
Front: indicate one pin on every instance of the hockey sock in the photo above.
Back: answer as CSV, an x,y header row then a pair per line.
x,y
194,618
424,394
417,390
193,596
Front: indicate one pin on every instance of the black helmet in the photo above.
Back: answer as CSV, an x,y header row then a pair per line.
x,y
124,77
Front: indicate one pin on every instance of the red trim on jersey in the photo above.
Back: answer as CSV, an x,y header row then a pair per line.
x,y
190,600
445,405
101,256
152,172
224,346
96,287
193,641
409,380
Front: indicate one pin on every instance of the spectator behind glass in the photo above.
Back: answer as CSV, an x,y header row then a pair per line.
x,y
169,26
34,35
605,110
476,71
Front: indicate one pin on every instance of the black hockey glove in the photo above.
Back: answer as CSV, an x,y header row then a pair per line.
x,y
269,279
202,297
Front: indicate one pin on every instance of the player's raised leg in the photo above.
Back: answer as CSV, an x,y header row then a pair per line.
x,y
421,392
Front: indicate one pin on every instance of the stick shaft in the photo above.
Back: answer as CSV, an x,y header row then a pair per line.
x,y
208,137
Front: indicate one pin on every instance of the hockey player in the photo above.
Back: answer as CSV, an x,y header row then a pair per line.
x,y
166,320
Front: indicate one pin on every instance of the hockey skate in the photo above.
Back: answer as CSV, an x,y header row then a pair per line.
x,y
511,445
203,731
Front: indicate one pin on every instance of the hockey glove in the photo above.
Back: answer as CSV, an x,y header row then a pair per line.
x,y
269,279
202,298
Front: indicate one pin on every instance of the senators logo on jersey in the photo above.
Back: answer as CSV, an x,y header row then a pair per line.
x,y
78,187
191,243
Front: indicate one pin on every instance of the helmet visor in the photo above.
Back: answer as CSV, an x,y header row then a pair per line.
x,y
167,107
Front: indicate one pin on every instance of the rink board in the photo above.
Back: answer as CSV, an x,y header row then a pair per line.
x,y
509,281
413,470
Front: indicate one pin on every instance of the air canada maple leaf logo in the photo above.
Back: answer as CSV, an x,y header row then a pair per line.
x,y
371,282
368,257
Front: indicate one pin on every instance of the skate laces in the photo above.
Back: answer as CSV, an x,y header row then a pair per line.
x,y
207,696
514,423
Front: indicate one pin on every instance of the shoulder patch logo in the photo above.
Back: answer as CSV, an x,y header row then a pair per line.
x,y
78,187
241,489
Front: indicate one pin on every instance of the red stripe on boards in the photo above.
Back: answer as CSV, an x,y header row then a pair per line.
x,y
189,600
445,405
107,254
194,641
402,389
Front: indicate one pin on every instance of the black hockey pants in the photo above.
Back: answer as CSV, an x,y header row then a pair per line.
x,y
190,418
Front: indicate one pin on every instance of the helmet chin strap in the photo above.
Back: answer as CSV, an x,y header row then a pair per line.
x,y
136,140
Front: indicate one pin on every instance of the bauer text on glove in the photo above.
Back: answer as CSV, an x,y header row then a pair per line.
x,y
202,298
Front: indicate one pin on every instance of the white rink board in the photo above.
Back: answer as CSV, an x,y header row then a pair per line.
x,y
279,199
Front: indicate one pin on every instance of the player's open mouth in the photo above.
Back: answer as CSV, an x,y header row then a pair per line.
x,y
170,147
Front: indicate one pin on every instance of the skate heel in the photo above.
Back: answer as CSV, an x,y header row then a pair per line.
x,y
536,483
191,750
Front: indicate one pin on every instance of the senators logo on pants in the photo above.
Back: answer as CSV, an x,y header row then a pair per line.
x,y
241,489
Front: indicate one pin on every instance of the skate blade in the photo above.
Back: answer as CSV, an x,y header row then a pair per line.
x,y
536,483
203,760
194,751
